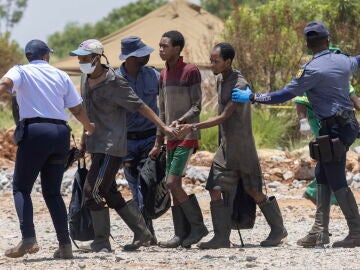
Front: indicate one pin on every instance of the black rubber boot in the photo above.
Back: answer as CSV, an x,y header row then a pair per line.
x,y
272,213
150,226
348,206
319,233
101,224
198,230
221,219
64,252
26,245
132,216
181,228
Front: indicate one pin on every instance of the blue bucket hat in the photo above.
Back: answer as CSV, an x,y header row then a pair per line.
x,y
37,48
316,29
133,46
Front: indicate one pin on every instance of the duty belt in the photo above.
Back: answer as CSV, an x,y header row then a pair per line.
x,y
140,135
340,118
44,120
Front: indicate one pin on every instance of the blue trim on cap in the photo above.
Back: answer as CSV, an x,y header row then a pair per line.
x,y
79,52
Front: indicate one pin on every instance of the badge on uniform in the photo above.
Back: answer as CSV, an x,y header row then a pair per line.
x,y
299,73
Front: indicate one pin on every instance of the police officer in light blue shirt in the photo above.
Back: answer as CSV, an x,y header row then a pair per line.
x,y
43,136
325,79
141,132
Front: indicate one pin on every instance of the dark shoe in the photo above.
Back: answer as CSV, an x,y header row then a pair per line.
x,y
101,224
319,233
64,252
194,216
181,228
221,219
348,206
272,213
135,221
26,245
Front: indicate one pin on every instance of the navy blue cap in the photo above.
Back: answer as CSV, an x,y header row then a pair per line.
x,y
315,29
133,46
37,48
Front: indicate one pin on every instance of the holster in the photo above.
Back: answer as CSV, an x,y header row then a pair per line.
x,y
19,132
325,149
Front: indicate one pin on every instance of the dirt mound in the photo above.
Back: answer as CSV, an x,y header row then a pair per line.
x,y
7,147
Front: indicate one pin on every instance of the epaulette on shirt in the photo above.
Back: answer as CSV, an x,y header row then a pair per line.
x,y
300,72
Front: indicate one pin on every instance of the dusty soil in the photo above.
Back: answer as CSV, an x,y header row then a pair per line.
x,y
298,215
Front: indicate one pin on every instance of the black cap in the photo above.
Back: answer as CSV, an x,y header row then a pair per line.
x,y
315,29
37,48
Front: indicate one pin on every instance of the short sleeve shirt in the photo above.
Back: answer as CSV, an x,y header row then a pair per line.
x,y
42,90
106,105
325,79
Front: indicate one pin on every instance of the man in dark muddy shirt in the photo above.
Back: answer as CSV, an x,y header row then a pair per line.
x,y
236,161
107,98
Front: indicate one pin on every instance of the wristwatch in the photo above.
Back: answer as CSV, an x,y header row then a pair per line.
x,y
194,127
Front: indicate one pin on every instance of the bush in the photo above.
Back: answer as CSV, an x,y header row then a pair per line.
x,y
269,38
271,127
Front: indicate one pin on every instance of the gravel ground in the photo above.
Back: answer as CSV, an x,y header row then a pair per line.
x,y
298,215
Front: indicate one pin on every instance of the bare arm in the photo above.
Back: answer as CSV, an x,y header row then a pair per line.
x,y
217,120
5,84
79,112
214,121
152,116
355,99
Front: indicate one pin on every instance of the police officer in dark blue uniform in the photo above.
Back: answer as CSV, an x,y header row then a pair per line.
x,y
325,79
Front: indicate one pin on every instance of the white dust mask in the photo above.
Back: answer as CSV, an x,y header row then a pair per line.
x,y
87,68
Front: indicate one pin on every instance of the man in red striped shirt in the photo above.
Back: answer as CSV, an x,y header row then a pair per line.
x,y
179,103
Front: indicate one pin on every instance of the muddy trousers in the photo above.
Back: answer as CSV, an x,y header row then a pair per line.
x,y
43,150
100,185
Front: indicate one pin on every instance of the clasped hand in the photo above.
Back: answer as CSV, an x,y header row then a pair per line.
x,y
179,131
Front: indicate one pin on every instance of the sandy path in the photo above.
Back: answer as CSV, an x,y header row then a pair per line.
x,y
297,212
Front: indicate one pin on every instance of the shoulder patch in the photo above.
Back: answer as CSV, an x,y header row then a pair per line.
x,y
299,73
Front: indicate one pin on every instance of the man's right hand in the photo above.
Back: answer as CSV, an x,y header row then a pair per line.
x,y
155,152
305,127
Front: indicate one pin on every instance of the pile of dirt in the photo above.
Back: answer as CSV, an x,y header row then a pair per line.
x,y
284,166
7,148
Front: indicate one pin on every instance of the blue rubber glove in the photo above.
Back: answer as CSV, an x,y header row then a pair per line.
x,y
243,96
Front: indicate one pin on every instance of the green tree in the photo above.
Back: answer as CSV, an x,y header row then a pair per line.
x,y
11,12
223,9
74,33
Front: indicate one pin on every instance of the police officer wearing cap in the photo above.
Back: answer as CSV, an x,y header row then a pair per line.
x,y
141,132
43,137
325,79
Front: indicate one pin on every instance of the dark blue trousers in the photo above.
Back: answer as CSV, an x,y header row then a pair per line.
x,y
42,150
333,173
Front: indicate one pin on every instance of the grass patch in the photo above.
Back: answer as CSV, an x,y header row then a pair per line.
x,y
209,136
273,129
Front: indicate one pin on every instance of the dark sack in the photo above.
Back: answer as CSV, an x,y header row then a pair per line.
x,y
156,196
244,211
80,223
